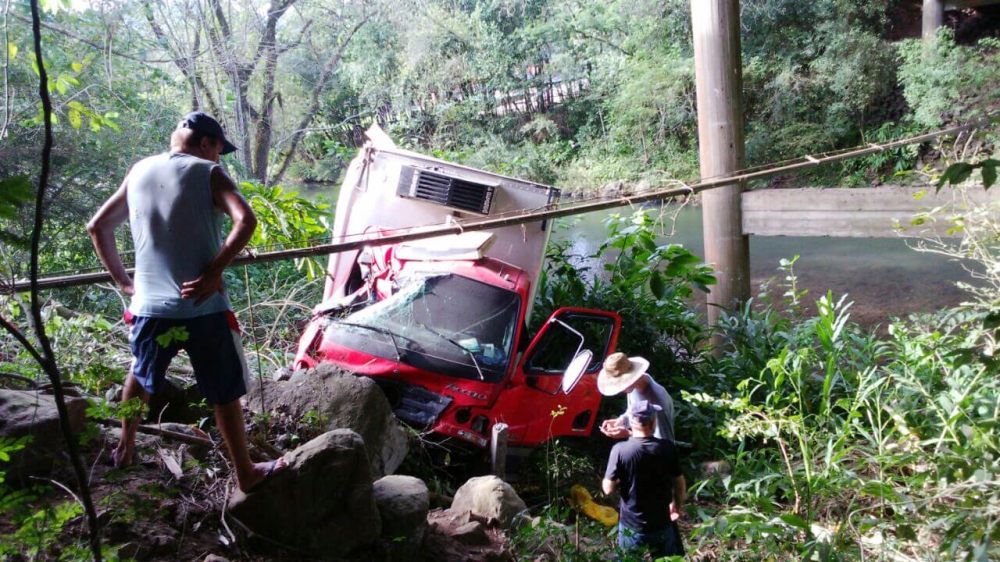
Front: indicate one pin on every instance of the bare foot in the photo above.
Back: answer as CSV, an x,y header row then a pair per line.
x,y
261,472
123,455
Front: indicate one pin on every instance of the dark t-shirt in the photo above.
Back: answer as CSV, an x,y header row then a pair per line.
x,y
645,468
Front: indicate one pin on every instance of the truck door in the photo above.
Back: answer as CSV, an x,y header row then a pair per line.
x,y
538,405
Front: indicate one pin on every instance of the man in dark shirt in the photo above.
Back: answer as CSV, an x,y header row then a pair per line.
x,y
646,473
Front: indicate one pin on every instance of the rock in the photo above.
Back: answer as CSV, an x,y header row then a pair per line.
x,y
712,468
612,189
34,414
403,503
214,558
450,536
472,533
322,504
337,399
492,498
178,402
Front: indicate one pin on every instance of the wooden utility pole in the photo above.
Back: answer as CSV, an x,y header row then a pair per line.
x,y
933,18
719,82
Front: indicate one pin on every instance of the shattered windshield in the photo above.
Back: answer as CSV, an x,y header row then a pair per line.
x,y
443,323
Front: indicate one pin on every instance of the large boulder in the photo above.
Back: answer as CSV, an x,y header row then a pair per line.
x,y
492,498
322,504
333,399
403,503
35,415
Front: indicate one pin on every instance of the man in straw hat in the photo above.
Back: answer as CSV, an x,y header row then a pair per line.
x,y
622,373
647,475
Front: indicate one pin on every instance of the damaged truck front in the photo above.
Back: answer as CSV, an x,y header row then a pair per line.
x,y
441,323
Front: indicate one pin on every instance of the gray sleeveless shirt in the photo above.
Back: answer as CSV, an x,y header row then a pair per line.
x,y
176,232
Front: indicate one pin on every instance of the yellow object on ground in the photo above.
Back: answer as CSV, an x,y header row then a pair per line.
x,y
584,503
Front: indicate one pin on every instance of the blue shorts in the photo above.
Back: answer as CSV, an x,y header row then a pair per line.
x,y
212,342
664,542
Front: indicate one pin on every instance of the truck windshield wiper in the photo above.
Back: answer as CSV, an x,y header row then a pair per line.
x,y
379,329
460,346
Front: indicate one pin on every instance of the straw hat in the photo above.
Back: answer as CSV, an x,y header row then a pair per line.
x,y
620,372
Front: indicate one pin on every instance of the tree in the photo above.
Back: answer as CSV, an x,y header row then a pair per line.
x,y
42,352
230,54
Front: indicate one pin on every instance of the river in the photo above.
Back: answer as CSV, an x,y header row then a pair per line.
x,y
883,277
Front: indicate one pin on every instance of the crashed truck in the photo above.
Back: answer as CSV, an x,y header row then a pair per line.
x,y
441,324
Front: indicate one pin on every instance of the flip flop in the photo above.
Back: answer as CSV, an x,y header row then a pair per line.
x,y
272,469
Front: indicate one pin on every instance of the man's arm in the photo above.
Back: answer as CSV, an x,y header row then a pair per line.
x,y
228,199
101,228
610,482
609,486
680,493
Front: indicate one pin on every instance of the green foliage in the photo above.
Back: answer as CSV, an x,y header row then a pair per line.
x,y
840,437
958,172
945,82
38,533
647,282
91,349
14,193
884,165
174,334
287,220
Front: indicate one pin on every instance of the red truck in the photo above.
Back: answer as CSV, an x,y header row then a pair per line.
x,y
441,323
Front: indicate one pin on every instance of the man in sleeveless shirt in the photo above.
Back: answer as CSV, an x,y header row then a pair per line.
x,y
174,203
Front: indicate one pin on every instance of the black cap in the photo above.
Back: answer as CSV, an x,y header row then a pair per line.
x,y
644,410
205,123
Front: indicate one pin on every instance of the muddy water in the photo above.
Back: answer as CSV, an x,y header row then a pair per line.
x,y
883,277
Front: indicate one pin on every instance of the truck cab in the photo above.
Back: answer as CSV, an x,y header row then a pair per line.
x,y
441,323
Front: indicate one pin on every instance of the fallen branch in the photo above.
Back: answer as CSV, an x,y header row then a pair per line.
x,y
31,382
153,430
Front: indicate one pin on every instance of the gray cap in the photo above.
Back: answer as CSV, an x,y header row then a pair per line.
x,y
644,410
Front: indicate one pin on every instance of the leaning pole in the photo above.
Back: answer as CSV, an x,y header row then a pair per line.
x,y
719,83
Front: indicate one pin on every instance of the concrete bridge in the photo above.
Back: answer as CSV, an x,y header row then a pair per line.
x,y
933,12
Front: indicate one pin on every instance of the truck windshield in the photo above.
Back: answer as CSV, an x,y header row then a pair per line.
x,y
442,323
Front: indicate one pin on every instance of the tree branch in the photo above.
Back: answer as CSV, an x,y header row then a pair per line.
x,y
48,362
94,44
314,100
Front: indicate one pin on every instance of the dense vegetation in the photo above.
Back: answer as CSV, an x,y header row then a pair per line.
x,y
837,444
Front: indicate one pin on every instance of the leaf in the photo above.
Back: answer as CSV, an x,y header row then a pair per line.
x,y
989,175
794,521
906,533
657,285
14,192
956,173
177,333
77,66
74,118
992,320
11,51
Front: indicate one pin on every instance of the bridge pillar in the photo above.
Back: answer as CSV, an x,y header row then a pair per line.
x,y
933,18
719,83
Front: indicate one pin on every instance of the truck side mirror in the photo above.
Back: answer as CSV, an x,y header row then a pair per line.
x,y
576,369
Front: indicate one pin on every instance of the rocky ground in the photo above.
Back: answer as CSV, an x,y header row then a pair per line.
x,y
172,505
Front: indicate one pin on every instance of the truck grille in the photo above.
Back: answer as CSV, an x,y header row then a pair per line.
x,y
445,190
